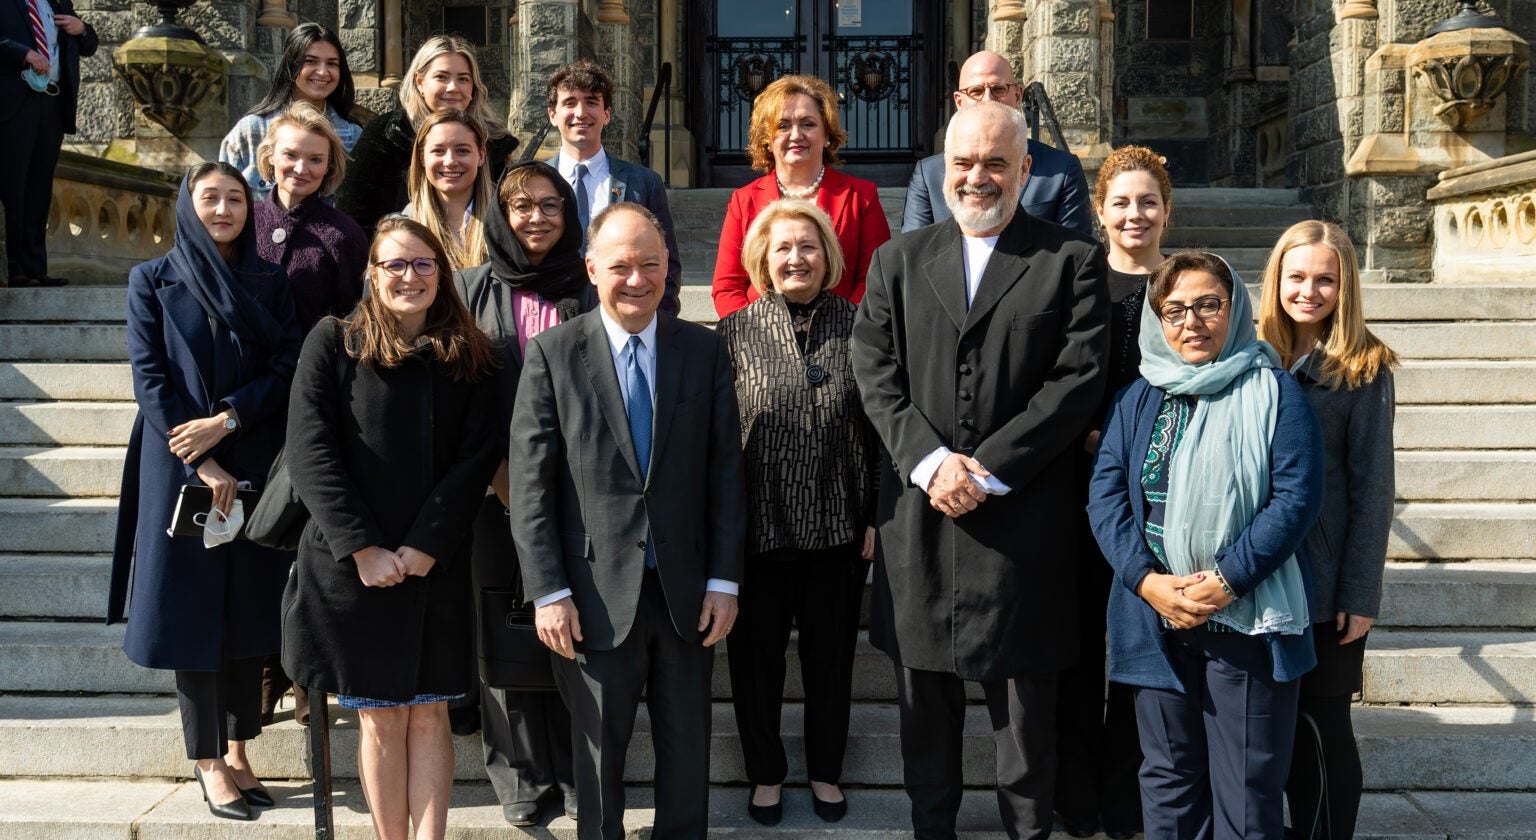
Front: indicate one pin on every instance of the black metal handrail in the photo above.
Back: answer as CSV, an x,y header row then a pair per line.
x,y
1037,108
660,91
535,142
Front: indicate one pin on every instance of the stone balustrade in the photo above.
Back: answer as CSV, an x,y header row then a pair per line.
x,y
1485,222
107,217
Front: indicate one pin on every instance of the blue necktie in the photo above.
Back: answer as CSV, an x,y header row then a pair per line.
x,y
583,205
638,405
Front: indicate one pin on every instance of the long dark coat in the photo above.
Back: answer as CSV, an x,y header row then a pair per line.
x,y
388,457
192,607
1012,381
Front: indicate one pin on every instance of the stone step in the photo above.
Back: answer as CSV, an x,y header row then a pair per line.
x,y
64,342
1450,666
1466,475
1462,531
78,381
54,585
1220,236
66,304
1486,340
1475,593
1465,382
1465,427
115,737
61,471
57,525
67,423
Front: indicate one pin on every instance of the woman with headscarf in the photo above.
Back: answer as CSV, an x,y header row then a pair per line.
x,y
535,279
213,341
1208,479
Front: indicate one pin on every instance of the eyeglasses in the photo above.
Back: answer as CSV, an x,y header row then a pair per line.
x,y
395,269
998,91
1204,308
551,207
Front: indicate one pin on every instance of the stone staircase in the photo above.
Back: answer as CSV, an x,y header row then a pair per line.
x,y
90,745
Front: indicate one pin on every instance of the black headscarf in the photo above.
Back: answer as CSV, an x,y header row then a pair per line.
x,y
226,291
561,276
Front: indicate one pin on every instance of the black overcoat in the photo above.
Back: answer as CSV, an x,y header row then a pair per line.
x,y
1012,380
388,457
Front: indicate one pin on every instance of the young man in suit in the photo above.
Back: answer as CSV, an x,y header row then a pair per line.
x,y
1056,191
978,352
41,44
579,98
628,513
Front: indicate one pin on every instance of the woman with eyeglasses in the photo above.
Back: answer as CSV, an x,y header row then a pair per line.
x,y
794,137
212,343
1208,479
534,279
313,70
391,441
1312,311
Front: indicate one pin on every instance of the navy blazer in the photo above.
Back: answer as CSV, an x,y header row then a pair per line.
x,y
1056,191
1117,510
641,185
16,40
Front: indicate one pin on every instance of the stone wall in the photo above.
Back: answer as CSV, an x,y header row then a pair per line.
x,y
107,217
1485,222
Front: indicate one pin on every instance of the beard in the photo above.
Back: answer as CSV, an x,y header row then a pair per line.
x,y
1004,202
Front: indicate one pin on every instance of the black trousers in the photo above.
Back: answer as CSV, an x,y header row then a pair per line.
x,y
33,136
820,593
219,706
525,735
1023,718
1217,753
1330,753
603,690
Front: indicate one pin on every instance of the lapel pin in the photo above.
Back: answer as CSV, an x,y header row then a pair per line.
x,y
279,236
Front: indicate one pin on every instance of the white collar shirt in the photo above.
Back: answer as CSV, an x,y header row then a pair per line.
x,y
598,181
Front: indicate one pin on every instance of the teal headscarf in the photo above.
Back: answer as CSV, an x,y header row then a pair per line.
x,y
1218,479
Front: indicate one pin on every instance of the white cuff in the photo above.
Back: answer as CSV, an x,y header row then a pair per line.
x,y
551,598
728,587
922,474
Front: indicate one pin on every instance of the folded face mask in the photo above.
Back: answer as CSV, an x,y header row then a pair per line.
x,y
219,528
39,82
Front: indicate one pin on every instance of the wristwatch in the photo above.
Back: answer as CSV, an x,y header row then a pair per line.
x,y
230,425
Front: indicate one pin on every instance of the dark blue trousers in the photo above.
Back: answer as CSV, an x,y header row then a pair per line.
x,y
1216,754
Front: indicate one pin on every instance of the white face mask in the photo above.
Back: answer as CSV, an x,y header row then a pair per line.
x,y
218,528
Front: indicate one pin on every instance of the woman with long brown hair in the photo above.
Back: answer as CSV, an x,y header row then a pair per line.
x,y
450,185
391,442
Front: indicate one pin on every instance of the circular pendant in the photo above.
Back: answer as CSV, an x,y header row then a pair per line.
x,y
815,374
279,236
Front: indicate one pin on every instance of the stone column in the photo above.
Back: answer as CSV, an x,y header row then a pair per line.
x,y
1360,10
547,34
394,60
1063,46
612,11
1010,10
275,13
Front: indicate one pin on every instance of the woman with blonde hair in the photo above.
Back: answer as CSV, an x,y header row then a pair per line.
x,y
1312,313
451,186
443,74
794,137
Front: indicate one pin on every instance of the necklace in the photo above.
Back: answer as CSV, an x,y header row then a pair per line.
x,y
811,190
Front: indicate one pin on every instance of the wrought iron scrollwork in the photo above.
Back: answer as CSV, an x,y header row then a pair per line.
x,y
873,77
743,67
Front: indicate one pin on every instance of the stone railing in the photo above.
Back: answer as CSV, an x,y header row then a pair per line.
x,y
1485,222
107,217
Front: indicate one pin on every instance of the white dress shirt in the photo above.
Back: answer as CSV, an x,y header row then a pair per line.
x,y
618,345
977,252
598,183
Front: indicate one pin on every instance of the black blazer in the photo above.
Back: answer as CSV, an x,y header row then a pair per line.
x,y
1012,380
582,516
1057,191
16,40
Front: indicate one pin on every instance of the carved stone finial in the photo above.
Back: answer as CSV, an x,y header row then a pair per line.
x,y
1468,70
169,70
1010,10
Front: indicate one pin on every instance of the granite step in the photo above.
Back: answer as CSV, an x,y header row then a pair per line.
x,y
1475,593
1466,475
75,381
1451,666
66,304
1486,340
1462,531
54,586
1465,427
57,525
140,737
66,423
1461,381
80,471
64,342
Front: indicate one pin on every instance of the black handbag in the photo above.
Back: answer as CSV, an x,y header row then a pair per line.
x,y
279,517
511,655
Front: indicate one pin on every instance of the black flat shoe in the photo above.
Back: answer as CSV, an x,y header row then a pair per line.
x,y
1079,827
521,813
257,797
1116,834
235,809
768,815
829,811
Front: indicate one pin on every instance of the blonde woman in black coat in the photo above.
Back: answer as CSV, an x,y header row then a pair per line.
x,y
391,444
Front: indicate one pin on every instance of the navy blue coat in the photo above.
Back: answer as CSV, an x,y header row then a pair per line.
x,y
1056,191
194,607
1118,511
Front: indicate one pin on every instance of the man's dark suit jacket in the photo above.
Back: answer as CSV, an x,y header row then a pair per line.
x,y
641,185
1056,191
581,515
1011,380
16,40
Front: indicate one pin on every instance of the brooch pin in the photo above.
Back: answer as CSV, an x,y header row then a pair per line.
x,y
279,236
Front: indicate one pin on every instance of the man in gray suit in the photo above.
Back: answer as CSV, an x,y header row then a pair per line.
x,y
579,99
1056,191
628,512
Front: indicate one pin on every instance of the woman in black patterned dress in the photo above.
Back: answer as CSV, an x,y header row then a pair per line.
x,y
811,457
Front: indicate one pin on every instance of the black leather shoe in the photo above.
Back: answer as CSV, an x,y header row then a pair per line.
x,y
235,809
521,813
1118,834
570,806
257,797
829,811
768,815
1080,827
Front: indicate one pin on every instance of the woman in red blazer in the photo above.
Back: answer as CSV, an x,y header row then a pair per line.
x,y
794,137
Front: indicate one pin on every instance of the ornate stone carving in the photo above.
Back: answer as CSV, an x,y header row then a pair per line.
x,y
1467,72
107,217
613,11
170,78
1485,221
1010,10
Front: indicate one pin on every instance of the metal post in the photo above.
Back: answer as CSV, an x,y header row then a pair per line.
x,y
320,763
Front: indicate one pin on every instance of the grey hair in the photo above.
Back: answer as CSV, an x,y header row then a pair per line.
x,y
997,110
611,210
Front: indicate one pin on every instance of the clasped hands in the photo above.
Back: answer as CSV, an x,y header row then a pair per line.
x,y
954,489
381,567
559,625
1187,601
